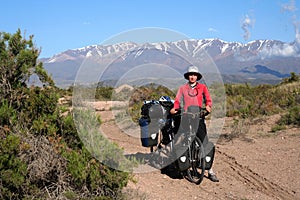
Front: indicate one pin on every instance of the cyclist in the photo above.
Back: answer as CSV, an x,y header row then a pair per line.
x,y
192,95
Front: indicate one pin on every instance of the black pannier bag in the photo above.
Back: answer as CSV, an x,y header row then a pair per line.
x,y
149,133
167,130
152,112
209,150
183,161
182,152
168,126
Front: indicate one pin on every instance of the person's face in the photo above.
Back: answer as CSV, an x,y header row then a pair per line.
x,y
192,78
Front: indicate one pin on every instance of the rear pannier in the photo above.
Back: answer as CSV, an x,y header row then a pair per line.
x,y
152,116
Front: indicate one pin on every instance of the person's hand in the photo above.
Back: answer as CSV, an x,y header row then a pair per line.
x,y
173,111
208,108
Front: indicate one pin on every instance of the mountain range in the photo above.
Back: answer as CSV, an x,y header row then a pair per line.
x,y
259,61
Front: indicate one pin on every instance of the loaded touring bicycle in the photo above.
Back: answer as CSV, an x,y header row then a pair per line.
x,y
161,132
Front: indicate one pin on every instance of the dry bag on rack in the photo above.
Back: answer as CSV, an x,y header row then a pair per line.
x,y
152,112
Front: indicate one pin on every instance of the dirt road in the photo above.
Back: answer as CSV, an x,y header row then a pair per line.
x,y
258,164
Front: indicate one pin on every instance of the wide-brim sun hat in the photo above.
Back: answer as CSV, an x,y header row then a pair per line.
x,y
193,70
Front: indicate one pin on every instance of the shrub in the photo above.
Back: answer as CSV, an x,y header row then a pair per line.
x,y
12,170
31,114
8,115
104,93
250,101
68,132
292,117
277,127
88,172
292,78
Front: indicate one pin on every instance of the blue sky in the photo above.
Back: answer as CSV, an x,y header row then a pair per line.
x,y
59,25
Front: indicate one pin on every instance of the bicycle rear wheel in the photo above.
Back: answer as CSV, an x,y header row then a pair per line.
x,y
195,173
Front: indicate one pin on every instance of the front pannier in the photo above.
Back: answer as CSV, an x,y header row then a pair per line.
x,y
182,152
209,150
183,161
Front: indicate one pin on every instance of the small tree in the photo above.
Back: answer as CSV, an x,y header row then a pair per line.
x,y
40,148
292,78
18,62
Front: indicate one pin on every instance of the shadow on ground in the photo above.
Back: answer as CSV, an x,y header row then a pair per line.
x,y
157,162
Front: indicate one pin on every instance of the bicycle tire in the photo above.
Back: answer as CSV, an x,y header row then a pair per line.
x,y
196,172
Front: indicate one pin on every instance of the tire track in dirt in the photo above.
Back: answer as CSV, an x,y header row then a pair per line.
x,y
253,179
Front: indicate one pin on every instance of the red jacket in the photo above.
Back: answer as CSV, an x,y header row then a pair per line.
x,y
192,96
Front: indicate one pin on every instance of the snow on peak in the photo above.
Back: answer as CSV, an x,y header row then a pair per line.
x,y
192,46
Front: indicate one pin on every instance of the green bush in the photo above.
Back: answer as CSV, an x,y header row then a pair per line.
x,y
68,132
39,102
12,170
292,117
245,100
31,113
292,78
87,172
8,115
277,127
104,93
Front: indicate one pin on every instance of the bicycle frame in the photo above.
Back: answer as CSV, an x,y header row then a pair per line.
x,y
194,147
196,152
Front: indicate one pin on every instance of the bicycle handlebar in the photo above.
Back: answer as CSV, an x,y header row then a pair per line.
x,y
201,114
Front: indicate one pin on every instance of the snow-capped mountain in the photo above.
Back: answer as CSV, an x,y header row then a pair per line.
x,y
259,59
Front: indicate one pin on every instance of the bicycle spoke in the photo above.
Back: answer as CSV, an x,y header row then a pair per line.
x,y
196,173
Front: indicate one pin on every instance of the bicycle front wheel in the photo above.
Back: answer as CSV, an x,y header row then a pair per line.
x,y
195,173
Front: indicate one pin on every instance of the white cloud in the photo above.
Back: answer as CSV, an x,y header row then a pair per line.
x,y
246,24
284,50
296,25
291,6
86,23
212,30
